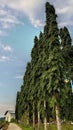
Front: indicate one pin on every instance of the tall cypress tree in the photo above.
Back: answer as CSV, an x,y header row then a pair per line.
x,y
17,115
24,98
44,77
35,79
67,50
55,60
65,37
67,53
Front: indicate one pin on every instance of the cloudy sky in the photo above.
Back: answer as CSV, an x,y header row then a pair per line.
x,y
20,21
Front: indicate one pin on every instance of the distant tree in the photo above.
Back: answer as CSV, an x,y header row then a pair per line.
x,y
33,89
26,91
18,109
17,106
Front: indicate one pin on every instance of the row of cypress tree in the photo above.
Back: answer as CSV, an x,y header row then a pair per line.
x,y
46,92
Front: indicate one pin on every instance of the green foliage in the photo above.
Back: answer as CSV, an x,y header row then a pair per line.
x,y
25,119
13,120
65,37
50,127
44,79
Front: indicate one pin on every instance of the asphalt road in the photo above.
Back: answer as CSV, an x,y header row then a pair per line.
x,y
13,126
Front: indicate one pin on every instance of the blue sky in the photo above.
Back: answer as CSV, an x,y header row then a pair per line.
x,y
20,21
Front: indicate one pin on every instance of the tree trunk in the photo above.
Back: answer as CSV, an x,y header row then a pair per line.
x,y
38,115
59,127
27,116
28,119
33,117
45,120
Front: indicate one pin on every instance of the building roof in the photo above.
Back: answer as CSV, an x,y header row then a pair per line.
x,y
10,111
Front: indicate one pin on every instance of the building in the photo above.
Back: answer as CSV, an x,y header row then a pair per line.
x,y
9,115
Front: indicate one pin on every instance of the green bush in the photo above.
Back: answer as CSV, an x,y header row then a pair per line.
x,y
13,120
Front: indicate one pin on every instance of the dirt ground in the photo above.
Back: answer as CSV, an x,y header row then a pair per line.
x,y
13,126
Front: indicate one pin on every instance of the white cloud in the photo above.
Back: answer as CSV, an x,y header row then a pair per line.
x,y
28,8
62,10
4,58
5,107
36,23
6,52
8,17
19,77
9,21
3,12
34,10
66,23
6,47
2,33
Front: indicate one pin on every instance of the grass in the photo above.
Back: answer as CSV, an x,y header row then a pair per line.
x,y
26,127
4,125
67,127
50,127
